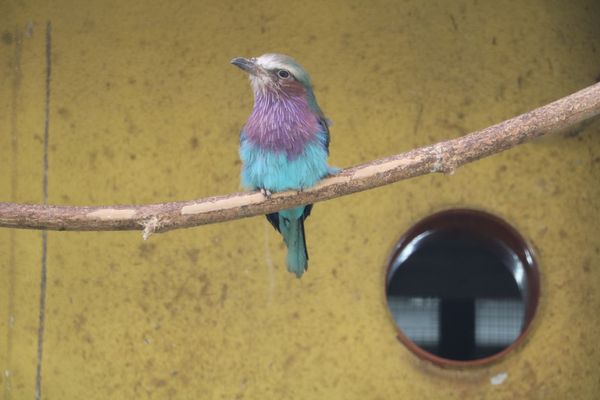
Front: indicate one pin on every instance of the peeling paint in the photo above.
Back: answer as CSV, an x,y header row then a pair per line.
x,y
499,378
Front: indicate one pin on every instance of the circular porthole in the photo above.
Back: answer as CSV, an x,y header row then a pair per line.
x,y
462,287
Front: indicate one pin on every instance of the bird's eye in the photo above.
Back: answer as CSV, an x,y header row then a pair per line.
x,y
282,73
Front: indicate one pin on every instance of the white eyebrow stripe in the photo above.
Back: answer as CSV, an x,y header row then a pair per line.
x,y
273,61
272,64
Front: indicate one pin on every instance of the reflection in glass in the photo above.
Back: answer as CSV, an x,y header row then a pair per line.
x,y
457,293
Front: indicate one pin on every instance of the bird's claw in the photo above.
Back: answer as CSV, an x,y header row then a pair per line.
x,y
266,192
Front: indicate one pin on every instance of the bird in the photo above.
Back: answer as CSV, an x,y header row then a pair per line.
x,y
284,144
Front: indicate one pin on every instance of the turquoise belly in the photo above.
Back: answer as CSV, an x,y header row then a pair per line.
x,y
272,170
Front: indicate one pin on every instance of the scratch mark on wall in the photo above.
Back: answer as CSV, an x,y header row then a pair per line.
x,y
10,314
42,315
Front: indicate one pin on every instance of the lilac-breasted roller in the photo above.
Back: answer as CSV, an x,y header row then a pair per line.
x,y
284,144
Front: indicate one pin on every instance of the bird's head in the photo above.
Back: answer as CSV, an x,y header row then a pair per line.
x,y
275,73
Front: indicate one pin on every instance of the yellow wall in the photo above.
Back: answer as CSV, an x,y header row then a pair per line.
x,y
144,107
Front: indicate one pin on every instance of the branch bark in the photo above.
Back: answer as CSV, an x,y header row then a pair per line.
x,y
440,157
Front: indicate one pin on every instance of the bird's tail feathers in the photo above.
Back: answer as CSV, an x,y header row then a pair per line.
x,y
293,235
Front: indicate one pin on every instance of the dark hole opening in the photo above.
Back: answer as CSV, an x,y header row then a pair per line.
x,y
462,286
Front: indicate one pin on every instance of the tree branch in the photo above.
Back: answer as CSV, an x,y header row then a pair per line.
x,y
440,157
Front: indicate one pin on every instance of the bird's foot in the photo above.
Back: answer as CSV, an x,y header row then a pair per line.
x,y
333,171
266,192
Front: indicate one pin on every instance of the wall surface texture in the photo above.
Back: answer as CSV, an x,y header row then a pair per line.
x,y
142,106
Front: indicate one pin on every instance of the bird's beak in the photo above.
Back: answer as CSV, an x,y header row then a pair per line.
x,y
246,64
